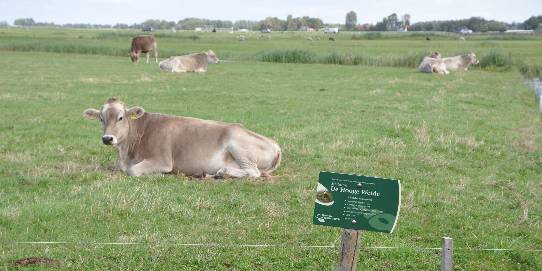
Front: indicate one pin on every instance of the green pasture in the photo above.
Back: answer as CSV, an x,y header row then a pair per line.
x,y
467,148
524,48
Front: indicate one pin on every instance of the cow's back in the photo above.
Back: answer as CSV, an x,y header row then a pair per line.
x,y
186,63
143,44
199,146
454,63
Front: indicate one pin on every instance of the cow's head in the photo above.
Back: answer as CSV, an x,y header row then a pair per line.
x,y
435,55
115,119
471,57
211,57
134,56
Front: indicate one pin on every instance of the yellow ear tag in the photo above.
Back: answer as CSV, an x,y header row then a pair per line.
x,y
134,116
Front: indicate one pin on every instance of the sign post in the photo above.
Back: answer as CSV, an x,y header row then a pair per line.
x,y
355,203
349,250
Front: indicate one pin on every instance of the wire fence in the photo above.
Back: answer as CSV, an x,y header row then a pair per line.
x,y
292,246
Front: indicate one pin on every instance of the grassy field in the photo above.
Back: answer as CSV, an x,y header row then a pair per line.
x,y
467,148
524,48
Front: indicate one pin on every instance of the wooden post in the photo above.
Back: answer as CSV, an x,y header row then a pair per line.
x,y
446,263
349,250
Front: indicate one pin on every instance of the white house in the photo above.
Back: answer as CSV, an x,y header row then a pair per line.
x,y
331,30
465,31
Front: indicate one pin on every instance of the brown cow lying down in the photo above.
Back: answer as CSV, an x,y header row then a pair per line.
x,y
155,143
143,44
189,63
447,64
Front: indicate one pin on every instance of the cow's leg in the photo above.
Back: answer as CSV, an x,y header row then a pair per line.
x,y
231,172
146,167
156,55
147,57
242,157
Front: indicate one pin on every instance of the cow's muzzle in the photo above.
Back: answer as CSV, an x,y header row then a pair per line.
x,y
109,139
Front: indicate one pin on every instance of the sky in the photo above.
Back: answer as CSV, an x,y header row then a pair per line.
x,y
136,11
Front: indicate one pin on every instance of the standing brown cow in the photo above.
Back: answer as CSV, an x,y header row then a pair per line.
x,y
143,44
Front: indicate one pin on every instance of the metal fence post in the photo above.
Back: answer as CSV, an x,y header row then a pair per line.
x,y
446,263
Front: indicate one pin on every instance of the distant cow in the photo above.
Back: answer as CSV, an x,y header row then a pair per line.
x,y
151,143
447,64
143,44
189,63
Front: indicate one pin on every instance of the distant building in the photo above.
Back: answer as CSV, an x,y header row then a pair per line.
x,y
331,30
306,29
465,31
209,28
147,29
265,30
519,31
402,29
243,30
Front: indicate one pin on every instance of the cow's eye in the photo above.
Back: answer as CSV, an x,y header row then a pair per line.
x,y
120,118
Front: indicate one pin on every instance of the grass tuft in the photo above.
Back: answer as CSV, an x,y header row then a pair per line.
x,y
288,56
530,70
496,61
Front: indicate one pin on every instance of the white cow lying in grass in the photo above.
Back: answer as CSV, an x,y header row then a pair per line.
x,y
189,63
150,143
445,65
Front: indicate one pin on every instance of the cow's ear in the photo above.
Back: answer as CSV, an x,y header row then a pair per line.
x,y
135,112
91,114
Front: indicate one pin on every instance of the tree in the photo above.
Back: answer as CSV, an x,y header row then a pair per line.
x,y
351,20
533,22
272,23
315,23
245,24
392,22
290,23
405,19
24,22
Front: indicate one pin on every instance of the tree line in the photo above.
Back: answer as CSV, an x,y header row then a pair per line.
x,y
290,24
393,22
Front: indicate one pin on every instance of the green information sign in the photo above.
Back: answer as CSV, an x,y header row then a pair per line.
x,y
357,202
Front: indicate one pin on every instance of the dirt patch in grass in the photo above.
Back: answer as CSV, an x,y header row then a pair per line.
x,y
526,140
38,260
15,157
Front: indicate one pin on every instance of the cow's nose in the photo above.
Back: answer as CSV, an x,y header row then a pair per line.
x,y
107,140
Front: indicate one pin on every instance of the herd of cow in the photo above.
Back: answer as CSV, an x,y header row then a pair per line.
x,y
153,143
187,63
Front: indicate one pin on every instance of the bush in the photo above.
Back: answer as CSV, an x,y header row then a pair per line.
x,y
530,71
409,60
495,60
368,36
288,56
